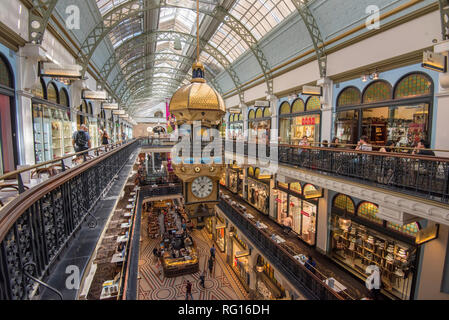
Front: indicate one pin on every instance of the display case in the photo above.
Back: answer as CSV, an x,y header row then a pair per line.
x,y
259,195
38,133
93,132
187,263
67,133
56,133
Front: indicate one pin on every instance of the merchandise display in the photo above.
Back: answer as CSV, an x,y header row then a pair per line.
x,y
361,246
259,195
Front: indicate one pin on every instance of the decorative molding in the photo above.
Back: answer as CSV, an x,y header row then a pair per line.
x,y
9,38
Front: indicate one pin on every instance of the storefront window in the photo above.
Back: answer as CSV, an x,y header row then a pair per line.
x,y
7,161
258,195
64,98
308,229
346,126
313,104
52,93
306,126
408,124
5,76
374,125
269,273
414,85
285,130
359,247
282,209
295,212
220,228
223,178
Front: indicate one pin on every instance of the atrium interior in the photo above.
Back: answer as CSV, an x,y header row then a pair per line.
x,y
224,150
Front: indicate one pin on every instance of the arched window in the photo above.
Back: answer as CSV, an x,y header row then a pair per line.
x,y
298,106
259,113
64,98
296,187
410,229
267,113
251,171
52,92
231,117
284,108
39,90
313,104
368,210
413,85
251,114
5,74
350,96
257,172
345,203
159,114
240,117
377,91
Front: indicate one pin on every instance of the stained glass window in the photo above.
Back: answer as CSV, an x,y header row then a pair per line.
x,y
285,108
257,172
410,229
231,118
298,106
349,97
283,185
267,113
259,113
251,171
5,77
38,90
313,104
414,85
251,114
368,211
240,117
64,98
296,187
377,91
52,93
345,203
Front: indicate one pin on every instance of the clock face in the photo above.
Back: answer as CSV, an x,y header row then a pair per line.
x,y
202,187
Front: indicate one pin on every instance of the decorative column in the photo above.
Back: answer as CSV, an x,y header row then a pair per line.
x,y
274,135
326,108
322,223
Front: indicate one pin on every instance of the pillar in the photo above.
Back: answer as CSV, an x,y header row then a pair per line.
x,y
326,108
441,141
322,223
274,136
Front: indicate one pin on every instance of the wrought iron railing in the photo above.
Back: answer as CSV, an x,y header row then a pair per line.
x,y
157,142
297,274
160,190
36,226
418,175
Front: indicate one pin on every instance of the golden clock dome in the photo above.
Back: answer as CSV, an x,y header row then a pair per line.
x,y
197,101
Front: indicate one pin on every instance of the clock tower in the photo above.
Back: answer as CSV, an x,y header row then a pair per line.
x,y
198,110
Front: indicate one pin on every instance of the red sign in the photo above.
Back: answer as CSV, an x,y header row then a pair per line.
x,y
305,213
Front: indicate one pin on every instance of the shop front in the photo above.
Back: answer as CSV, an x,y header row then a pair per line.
x,y
267,286
297,207
359,239
220,232
235,180
223,178
8,145
259,126
240,258
235,126
401,113
52,127
258,190
300,120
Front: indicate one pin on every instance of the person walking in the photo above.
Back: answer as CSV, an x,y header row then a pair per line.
x,y
202,278
211,265
212,252
189,290
310,264
81,140
105,138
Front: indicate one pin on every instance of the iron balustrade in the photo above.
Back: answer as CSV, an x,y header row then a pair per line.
x,y
36,226
418,175
312,285
157,142
160,190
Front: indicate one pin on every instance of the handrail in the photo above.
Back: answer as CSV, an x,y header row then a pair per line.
x,y
240,214
59,159
11,212
25,272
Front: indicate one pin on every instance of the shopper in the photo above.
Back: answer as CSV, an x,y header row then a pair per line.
x,y
105,138
304,142
421,149
212,252
363,144
335,143
373,282
189,290
388,147
81,139
325,144
211,265
123,137
202,278
310,264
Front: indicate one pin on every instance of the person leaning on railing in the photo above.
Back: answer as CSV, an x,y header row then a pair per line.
x,y
421,149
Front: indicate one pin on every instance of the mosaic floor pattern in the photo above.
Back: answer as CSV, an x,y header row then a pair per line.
x,y
222,284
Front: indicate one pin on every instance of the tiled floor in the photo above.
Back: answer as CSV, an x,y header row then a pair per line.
x,y
222,284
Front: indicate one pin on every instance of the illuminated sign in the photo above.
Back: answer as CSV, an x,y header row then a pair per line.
x,y
427,234
434,61
118,112
312,91
110,106
95,95
234,110
60,71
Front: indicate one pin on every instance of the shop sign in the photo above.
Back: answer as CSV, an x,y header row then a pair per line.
x,y
119,112
60,71
94,95
241,254
312,91
234,110
427,234
434,61
262,104
304,213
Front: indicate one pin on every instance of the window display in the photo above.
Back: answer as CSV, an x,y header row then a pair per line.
x,y
67,133
361,239
235,177
223,179
56,133
259,195
220,228
93,132
240,262
404,124
281,207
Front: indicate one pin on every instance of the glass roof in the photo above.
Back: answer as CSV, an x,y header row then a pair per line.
x,y
258,16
